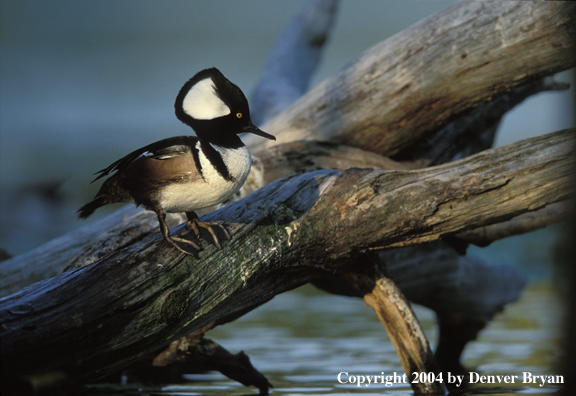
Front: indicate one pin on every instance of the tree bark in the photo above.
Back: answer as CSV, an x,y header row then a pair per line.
x,y
292,231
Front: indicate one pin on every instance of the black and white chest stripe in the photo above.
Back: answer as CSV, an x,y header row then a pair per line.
x,y
215,156
231,164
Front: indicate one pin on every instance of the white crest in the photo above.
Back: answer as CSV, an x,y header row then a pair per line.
x,y
202,103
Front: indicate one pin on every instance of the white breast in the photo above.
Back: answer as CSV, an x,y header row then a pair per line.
x,y
214,189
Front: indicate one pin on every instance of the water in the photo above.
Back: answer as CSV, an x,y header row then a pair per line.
x,y
303,339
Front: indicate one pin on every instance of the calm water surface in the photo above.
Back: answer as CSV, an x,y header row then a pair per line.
x,y
301,340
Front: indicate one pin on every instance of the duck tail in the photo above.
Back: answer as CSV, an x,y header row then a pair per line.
x,y
90,207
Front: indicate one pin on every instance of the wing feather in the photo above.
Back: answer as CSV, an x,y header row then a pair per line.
x,y
163,149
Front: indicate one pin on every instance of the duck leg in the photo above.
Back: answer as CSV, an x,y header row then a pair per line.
x,y
173,239
193,222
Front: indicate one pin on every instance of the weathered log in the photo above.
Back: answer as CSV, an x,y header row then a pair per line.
x,y
123,227
546,42
444,153
300,157
286,234
417,81
474,299
405,332
484,236
293,59
194,353
474,131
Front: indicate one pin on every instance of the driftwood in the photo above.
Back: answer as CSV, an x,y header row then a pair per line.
x,y
293,60
286,234
189,354
127,225
522,224
551,25
414,83
363,86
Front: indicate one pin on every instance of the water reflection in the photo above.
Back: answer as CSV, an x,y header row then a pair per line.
x,y
301,340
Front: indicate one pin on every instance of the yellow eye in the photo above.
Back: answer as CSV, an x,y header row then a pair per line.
x,y
239,115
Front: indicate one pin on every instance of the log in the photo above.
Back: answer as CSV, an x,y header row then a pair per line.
x,y
495,112
292,231
301,157
484,236
293,60
473,298
401,324
125,226
551,30
414,83
193,353
474,131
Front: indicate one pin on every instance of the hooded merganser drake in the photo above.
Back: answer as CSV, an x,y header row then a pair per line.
x,y
187,173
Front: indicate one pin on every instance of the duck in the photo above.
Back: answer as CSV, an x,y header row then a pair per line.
x,y
184,174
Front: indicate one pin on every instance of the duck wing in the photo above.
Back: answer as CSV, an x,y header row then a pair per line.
x,y
161,150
